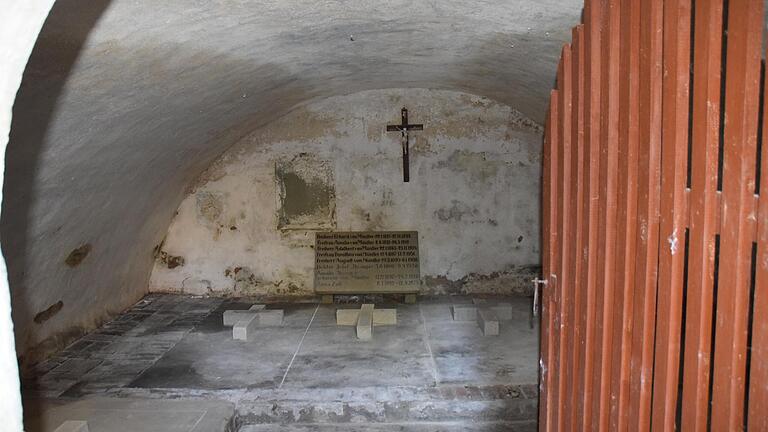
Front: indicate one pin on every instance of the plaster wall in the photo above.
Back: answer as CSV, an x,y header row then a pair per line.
x,y
20,23
473,196
125,102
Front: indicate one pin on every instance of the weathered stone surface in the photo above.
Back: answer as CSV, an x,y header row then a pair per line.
x,y
348,317
132,414
272,317
365,322
231,317
502,310
488,322
464,312
244,327
333,384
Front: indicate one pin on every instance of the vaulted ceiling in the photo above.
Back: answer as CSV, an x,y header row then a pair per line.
x,y
125,102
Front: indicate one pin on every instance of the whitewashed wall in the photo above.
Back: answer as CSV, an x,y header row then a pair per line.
x,y
20,23
473,196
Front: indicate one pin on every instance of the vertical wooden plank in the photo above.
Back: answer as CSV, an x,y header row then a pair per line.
x,y
644,311
554,257
592,142
703,212
557,263
580,226
610,39
626,250
564,198
745,21
584,231
673,219
758,376
546,251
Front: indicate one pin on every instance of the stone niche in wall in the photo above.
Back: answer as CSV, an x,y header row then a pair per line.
x,y
306,193
248,224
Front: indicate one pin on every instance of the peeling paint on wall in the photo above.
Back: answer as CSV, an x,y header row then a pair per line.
x,y
473,196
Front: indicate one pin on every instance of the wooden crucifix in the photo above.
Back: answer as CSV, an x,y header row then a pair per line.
x,y
403,128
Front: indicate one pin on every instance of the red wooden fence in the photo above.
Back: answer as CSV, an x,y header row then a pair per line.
x,y
655,310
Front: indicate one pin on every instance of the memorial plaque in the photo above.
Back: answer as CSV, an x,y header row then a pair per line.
x,y
367,262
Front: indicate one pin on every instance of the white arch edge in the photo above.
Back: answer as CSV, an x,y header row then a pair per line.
x,y
20,25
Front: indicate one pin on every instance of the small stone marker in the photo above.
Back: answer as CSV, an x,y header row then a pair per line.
x,y
502,310
244,322
365,322
486,314
73,426
233,316
348,317
365,318
488,321
465,312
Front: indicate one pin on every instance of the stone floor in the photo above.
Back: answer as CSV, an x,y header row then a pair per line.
x,y
427,373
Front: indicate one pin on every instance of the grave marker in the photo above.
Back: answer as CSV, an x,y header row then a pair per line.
x,y
375,262
244,322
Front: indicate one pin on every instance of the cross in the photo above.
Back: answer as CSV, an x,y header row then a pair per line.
x,y
245,322
403,128
365,318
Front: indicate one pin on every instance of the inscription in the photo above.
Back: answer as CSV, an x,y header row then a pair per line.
x,y
367,262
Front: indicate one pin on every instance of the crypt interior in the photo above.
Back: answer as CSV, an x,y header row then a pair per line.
x,y
172,161
414,216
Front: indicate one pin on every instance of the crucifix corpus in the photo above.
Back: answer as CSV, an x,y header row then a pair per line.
x,y
403,128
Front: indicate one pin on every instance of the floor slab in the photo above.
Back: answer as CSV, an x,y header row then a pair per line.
x,y
427,372
131,415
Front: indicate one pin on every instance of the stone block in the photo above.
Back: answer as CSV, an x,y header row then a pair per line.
x,y
244,327
384,317
349,317
410,298
488,322
503,311
257,307
73,426
272,317
365,322
231,317
464,312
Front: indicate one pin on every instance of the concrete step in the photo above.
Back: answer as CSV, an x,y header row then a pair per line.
x,y
529,426
401,405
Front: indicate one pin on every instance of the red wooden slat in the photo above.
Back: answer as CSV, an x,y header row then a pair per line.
x,y
626,250
610,39
648,214
546,245
745,26
591,141
580,227
551,288
564,198
703,211
758,387
674,173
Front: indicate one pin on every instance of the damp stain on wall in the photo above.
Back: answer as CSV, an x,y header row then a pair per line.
x,y
306,192
78,255
473,191
49,312
456,212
